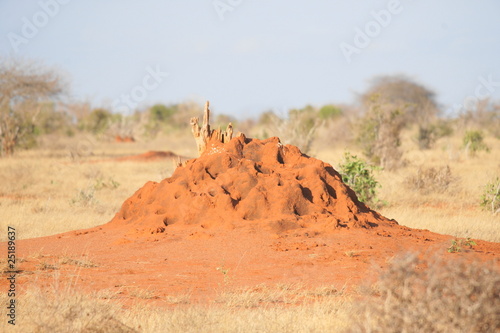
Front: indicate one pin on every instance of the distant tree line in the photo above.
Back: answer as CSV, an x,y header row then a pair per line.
x,y
34,101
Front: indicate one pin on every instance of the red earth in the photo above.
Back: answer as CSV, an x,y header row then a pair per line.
x,y
150,156
120,138
258,210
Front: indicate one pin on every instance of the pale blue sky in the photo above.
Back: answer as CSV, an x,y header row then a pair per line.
x,y
262,55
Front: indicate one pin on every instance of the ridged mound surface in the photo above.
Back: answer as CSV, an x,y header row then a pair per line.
x,y
245,181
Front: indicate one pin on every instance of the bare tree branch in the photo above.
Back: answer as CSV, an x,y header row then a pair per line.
x,y
23,84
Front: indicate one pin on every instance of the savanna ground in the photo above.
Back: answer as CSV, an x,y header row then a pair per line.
x,y
75,183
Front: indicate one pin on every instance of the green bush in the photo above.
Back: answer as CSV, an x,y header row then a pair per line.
x,y
379,133
473,142
163,118
97,122
305,119
49,121
267,118
298,128
161,113
427,135
329,112
490,200
458,244
359,176
222,120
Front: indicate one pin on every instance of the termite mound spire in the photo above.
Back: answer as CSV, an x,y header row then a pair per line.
x,y
204,134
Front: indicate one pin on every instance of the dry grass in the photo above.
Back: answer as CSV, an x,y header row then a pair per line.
x,y
277,295
62,309
82,262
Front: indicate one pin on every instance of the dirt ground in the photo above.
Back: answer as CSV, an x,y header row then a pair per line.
x,y
196,261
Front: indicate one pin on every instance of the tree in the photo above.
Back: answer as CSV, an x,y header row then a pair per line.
x,y
379,133
297,128
160,117
329,111
485,114
23,85
417,103
51,120
161,113
267,118
97,121
473,141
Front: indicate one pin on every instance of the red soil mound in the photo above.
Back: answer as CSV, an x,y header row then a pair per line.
x,y
120,138
149,156
249,180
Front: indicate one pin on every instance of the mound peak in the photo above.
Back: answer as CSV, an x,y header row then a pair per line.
x,y
249,181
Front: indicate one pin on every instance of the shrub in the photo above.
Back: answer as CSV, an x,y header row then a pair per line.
x,y
221,121
457,245
490,199
167,118
97,121
447,296
427,135
298,128
473,142
379,133
431,179
50,120
28,139
329,112
101,183
85,197
161,113
359,176
267,118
